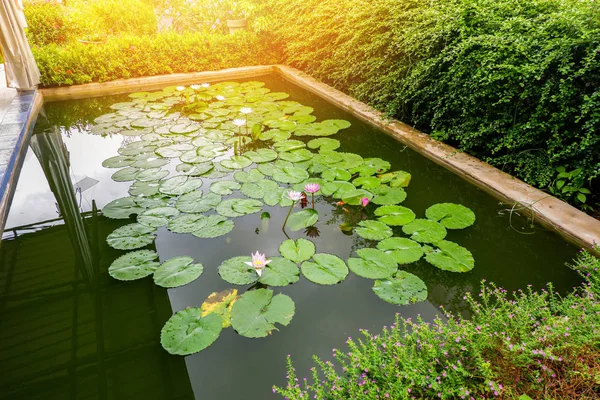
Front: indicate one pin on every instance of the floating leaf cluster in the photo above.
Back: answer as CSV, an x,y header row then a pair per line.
x,y
198,157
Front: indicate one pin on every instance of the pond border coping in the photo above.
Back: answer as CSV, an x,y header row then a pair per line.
x,y
573,224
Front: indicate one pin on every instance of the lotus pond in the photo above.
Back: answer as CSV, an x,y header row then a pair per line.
x,y
129,242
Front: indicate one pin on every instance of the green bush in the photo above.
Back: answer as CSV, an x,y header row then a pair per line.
x,y
512,82
47,23
137,56
530,344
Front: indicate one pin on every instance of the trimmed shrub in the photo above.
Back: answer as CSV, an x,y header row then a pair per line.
x,y
47,23
137,56
536,345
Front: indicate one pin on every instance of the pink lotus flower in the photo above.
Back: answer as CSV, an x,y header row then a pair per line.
x,y
294,196
312,188
259,262
364,201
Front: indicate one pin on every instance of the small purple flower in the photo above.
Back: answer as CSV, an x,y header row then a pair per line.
x,y
312,188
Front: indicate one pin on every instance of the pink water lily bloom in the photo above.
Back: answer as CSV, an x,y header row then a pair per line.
x,y
294,196
259,262
364,201
312,188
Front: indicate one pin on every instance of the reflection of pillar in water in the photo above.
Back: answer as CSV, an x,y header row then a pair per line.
x,y
54,159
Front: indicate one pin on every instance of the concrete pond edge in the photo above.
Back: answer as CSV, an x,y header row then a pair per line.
x,y
571,223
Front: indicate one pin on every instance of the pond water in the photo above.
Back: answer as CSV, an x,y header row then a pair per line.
x,y
69,330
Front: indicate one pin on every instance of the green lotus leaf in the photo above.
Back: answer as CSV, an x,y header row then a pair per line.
x,y
373,230
290,175
261,155
396,179
389,195
238,207
289,145
451,257
395,215
216,225
237,272
195,169
180,184
267,169
349,161
253,190
135,265
177,271
237,162
131,237
224,187
252,176
425,231
354,197
367,182
150,161
317,129
328,157
274,96
188,333
145,189
303,118
296,156
256,312
337,189
373,264
192,157
152,174
336,174
452,216
121,208
297,250
220,303
174,150
187,223
151,202
195,202
324,144
372,166
277,196
280,272
157,217
144,123
125,175
325,269
276,135
302,219
403,289
404,251
184,129
117,162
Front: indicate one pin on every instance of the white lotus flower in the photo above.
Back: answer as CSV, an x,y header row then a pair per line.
x,y
180,88
245,110
219,97
205,85
195,87
259,262
239,122
294,196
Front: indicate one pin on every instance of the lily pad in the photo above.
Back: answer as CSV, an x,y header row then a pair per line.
x,y
373,264
186,332
157,217
237,272
280,272
151,174
220,303
195,202
354,197
451,257
224,187
252,176
373,230
324,144
289,145
404,251
145,189
238,207
195,169
121,208
216,225
236,162
187,223
325,269
297,250
452,216
395,215
396,178
386,195
367,182
125,175
256,312
404,288
261,155
252,190
290,175
425,231
117,162
302,219
131,237
296,156
337,189
135,265
177,271
178,185
336,174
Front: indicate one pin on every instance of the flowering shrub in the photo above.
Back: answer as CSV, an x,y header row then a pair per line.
x,y
47,23
529,343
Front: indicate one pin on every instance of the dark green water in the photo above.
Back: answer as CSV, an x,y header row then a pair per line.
x,y
68,330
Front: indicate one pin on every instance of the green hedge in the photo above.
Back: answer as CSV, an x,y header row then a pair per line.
x,y
533,345
513,82
137,56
